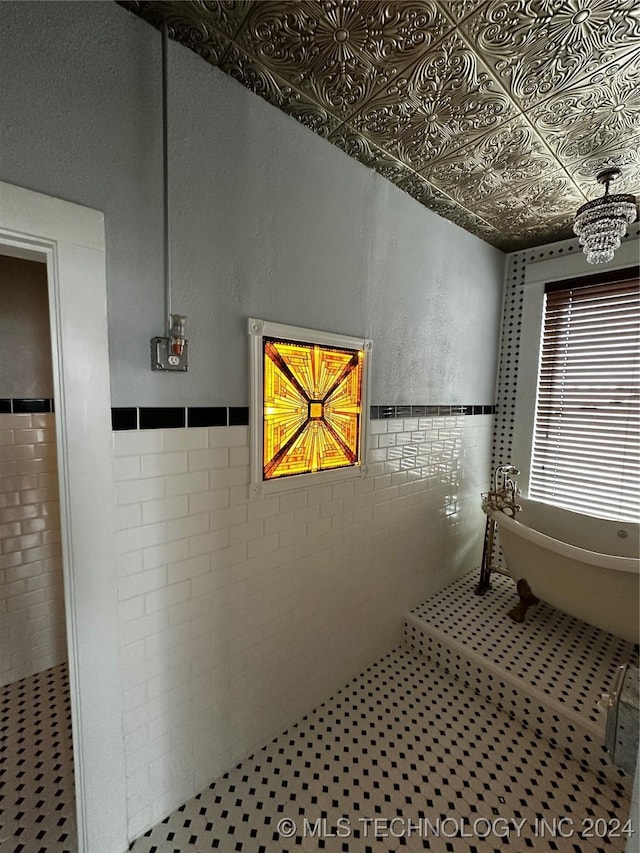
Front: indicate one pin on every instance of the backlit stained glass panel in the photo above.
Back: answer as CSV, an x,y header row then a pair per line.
x,y
312,407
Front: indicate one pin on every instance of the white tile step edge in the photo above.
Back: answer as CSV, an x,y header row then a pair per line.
x,y
561,726
596,731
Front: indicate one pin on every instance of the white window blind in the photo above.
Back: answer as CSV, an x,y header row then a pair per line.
x,y
586,446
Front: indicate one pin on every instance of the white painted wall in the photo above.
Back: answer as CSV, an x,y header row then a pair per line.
x,y
235,617
269,220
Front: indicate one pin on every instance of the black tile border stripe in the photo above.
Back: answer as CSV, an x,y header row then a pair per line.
x,y
176,417
162,417
124,417
26,405
384,412
238,415
206,416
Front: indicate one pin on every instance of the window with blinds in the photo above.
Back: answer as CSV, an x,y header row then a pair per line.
x,y
586,444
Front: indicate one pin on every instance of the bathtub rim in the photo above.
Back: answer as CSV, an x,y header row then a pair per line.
x,y
594,558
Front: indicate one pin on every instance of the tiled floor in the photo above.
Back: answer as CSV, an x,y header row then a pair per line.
x,y
403,758
37,798
561,658
403,745
549,672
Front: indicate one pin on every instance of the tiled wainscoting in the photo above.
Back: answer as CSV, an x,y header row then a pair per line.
x,y
238,616
32,629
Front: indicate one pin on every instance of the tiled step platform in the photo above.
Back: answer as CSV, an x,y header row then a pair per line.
x,y
548,672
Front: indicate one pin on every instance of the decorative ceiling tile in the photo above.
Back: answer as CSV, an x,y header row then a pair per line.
x,y
340,52
445,101
494,113
524,232
194,25
357,146
553,196
594,115
584,171
418,188
251,74
448,209
510,153
224,16
459,9
551,200
506,244
540,47
500,211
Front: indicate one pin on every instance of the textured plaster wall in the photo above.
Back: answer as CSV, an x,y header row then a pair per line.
x,y
268,219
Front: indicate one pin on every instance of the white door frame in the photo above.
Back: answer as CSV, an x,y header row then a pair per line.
x,y
70,240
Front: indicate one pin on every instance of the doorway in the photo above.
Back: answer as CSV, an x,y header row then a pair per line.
x,y
38,796
69,240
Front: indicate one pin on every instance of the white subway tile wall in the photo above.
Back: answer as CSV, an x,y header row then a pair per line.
x,y
238,616
32,627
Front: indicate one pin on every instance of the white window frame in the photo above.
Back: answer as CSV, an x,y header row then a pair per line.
x,y
259,329
537,275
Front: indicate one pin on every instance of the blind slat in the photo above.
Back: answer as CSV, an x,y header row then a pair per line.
x,y
586,441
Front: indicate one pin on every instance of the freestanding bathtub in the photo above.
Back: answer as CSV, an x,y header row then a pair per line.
x,y
586,566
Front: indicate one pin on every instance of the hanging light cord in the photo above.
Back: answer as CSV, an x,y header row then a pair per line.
x,y
165,178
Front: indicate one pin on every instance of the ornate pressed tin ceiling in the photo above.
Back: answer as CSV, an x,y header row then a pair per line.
x,y
495,114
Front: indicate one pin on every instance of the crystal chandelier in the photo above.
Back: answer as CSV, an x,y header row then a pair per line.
x,y
600,224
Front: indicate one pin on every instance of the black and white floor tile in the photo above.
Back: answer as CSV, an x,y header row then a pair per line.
x,y
549,673
560,657
403,758
37,796
408,756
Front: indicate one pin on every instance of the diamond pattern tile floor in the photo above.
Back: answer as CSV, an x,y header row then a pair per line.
x,y
549,672
403,758
37,795
561,658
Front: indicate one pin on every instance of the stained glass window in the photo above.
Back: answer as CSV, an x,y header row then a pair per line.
x,y
312,407
308,406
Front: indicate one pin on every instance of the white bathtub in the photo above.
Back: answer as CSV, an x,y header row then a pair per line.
x,y
579,564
